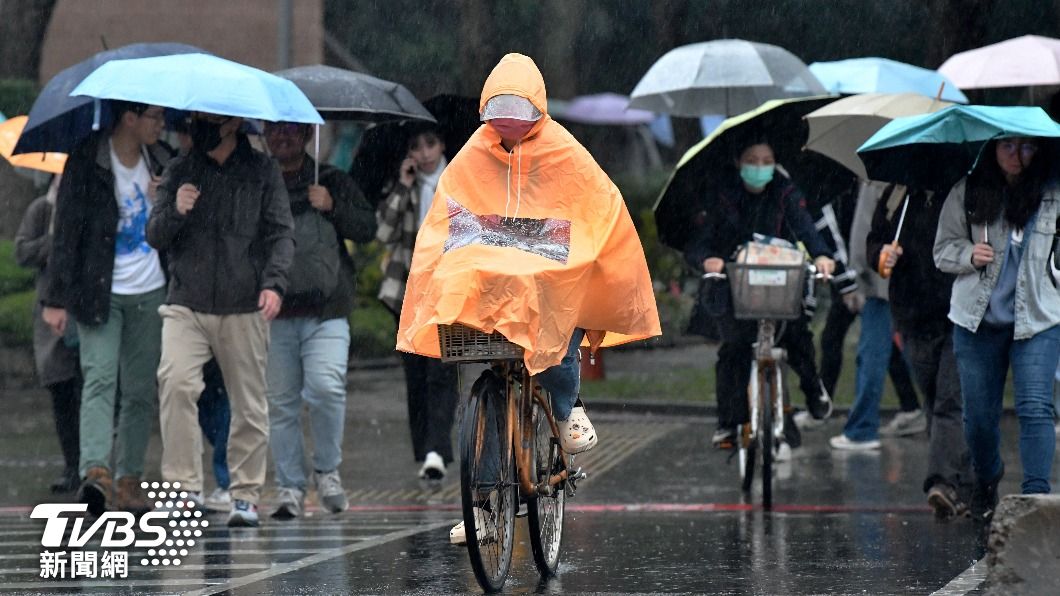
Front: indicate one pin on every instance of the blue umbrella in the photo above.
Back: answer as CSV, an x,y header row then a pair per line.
x,y
933,151
880,75
57,121
201,83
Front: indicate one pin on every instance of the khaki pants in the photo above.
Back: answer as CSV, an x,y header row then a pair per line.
x,y
240,343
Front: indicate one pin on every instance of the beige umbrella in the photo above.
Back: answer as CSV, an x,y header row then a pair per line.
x,y
839,128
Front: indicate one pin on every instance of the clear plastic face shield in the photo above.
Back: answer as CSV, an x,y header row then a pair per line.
x,y
510,107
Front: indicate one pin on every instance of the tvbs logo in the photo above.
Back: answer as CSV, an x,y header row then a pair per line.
x,y
166,533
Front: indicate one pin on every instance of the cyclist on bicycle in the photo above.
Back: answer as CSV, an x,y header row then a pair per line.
x,y
528,237
749,200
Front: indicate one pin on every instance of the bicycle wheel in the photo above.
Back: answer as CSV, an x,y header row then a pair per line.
x,y
545,512
765,434
488,492
746,441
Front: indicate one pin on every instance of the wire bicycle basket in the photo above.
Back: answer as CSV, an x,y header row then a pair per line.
x,y
460,343
761,291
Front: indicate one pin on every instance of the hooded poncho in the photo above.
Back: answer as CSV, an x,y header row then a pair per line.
x,y
531,243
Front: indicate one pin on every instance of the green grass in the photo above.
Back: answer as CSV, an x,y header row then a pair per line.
x,y
12,277
16,318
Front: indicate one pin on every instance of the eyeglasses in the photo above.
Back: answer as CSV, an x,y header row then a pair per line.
x,y
1025,149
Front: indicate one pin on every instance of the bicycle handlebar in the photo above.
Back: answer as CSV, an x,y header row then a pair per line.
x,y
812,269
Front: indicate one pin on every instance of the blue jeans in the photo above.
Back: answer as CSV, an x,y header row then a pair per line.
x,y
215,416
873,360
308,359
564,380
983,360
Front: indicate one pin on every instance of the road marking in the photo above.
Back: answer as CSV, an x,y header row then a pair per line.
x,y
965,582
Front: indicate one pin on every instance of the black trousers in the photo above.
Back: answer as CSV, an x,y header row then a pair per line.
x,y
66,406
432,391
733,368
833,336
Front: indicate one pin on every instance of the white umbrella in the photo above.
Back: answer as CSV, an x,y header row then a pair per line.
x,y
725,76
1025,61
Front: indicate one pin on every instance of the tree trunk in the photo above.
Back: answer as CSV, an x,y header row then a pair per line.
x,y
22,27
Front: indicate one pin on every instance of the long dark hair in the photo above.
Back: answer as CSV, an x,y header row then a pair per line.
x,y
990,196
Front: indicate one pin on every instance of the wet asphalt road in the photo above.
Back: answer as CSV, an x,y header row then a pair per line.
x,y
661,512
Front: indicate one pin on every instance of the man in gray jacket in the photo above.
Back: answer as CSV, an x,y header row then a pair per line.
x,y
224,221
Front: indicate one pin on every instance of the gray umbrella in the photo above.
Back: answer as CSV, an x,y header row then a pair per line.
x,y
346,95
725,76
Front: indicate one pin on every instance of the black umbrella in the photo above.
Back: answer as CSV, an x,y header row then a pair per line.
x,y
681,206
346,95
57,121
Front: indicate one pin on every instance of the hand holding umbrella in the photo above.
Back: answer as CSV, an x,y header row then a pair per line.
x,y
889,253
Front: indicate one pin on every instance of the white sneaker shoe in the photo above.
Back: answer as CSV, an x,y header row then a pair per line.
x,y
805,421
905,424
577,433
842,443
433,467
220,500
330,493
783,452
483,529
290,503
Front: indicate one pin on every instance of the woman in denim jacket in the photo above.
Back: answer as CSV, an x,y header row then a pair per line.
x,y
996,233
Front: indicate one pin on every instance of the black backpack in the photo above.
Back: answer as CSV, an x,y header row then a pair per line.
x,y
314,273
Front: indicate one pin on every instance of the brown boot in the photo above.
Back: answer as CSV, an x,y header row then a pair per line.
x,y
96,490
130,496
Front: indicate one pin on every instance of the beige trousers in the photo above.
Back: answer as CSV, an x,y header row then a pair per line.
x,y
241,344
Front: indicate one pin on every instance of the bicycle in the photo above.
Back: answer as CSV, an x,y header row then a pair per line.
x,y
766,293
509,448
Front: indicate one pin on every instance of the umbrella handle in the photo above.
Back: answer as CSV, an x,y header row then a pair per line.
x,y
881,268
316,155
97,107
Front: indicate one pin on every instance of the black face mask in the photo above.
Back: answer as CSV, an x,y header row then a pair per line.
x,y
205,135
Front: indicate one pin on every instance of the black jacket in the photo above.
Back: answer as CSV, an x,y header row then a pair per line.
x,y
81,269
235,242
353,218
919,293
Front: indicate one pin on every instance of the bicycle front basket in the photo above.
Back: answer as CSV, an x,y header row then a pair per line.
x,y
767,291
460,343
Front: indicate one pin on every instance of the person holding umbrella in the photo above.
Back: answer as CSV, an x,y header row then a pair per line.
x,y
997,235
310,338
751,199
104,276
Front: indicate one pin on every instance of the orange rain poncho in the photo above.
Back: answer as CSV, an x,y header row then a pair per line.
x,y
531,243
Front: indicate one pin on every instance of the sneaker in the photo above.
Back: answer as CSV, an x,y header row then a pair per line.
x,y
290,503
433,467
905,424
782,453
577,433
220,500
944,501
244,514
724,438
130,496
96,491
984,499
458,536
805,421
820,406
842,443
330,493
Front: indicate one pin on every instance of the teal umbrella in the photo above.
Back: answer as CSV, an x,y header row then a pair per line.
x,y
933,151
880,75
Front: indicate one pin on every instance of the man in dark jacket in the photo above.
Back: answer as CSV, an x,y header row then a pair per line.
x,y
104,274
919,296
310,339
224,221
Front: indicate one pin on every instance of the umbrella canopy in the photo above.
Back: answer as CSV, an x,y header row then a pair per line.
x,y
58,121
725,76
607,109
10,130
1030,60
839,128
880,75
202,83
933,151
346,95
779,121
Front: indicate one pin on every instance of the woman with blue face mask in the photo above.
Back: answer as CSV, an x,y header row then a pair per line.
x,y
754,197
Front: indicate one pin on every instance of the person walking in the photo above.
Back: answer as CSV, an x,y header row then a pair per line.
x,y
430,384
997,235
224,221
310,338
103,274
56,358
919,297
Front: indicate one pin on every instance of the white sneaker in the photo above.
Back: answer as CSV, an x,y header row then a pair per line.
x,y
219,500
905,424
330,493
577,433
433,467
290,503
458,536
805,421
783,452
842,443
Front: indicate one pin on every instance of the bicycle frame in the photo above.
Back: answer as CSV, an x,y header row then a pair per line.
x,y
522,394
768,358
